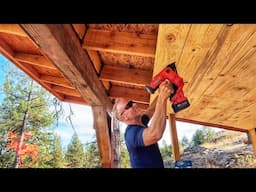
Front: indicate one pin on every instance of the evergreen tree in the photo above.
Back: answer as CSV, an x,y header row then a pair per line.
x,y
203,135
166,151
75,153
125,159
184,142
198,137
25,108
57,153
92,156
46,150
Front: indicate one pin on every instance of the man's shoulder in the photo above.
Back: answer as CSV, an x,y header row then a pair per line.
x,y
132,128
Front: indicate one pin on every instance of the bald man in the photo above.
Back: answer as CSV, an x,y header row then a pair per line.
x,y
140,138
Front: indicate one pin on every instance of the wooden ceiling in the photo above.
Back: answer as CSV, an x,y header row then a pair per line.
x,y
216,61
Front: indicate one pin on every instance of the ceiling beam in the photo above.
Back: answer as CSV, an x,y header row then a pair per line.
x,y
61,45
7,51
120,42
37,60
137,95
56,81
13,29
76,100
66,91
127,76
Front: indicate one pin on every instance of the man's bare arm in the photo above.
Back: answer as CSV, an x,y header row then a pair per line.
x,y
151,109
156,129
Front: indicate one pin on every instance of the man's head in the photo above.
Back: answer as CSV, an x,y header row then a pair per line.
x,y
125,110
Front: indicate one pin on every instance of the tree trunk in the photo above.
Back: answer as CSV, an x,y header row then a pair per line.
x,y
17,160
115,142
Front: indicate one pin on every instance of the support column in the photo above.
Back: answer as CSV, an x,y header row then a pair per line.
x,y
174,137
253,139
102,134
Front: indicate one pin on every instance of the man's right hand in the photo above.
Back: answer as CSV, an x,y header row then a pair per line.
x,y
165,89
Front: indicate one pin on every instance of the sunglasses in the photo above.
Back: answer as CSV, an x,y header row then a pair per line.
x,y
127,106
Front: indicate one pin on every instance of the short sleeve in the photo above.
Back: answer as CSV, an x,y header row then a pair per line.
x,y
134,136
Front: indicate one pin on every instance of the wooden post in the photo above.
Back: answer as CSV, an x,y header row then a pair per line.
x,y
253,139
174,137
102,134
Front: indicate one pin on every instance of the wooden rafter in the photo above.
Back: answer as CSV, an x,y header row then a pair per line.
x,y
80,29
127,76
77,100
37,60
137,95
66,91
13,29
120,42
8,53
63,48
56,81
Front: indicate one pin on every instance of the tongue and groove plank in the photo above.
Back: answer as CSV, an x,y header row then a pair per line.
x,y
217,63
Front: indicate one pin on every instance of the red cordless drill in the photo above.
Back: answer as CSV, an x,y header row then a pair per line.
x,y
179,101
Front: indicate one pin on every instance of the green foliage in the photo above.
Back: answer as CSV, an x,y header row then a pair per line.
x,y
21,96
51,153
92,156
57,161
185,142
6,156
203,135
125,159
166,150
75,153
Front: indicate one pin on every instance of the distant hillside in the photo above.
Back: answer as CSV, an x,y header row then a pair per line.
x,y
226,150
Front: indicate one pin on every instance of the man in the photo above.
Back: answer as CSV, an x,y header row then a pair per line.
x,y
141,139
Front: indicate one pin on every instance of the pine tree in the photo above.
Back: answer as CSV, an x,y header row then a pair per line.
x,y
92,156
198,137
75,153
57,153
25,108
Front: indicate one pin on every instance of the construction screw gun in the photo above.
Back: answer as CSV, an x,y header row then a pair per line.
x,y
179,101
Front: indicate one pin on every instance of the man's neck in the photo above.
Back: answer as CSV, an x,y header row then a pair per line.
x,y
135,121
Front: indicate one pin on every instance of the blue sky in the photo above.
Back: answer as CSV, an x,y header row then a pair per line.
x,y
3,60
83,121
